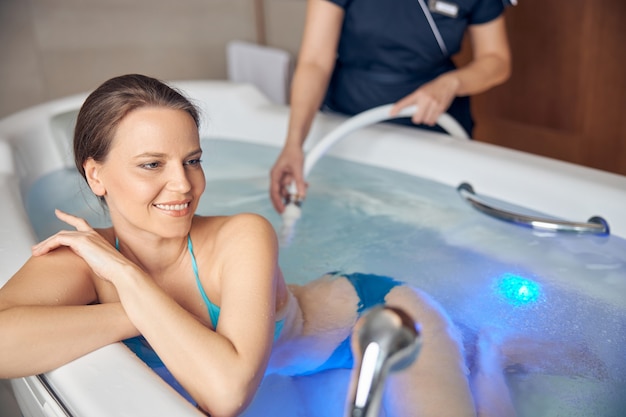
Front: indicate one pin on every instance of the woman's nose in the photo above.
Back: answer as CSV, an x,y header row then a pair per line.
x,y
179,180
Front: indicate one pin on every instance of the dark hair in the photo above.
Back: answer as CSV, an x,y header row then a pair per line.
x,y
108,104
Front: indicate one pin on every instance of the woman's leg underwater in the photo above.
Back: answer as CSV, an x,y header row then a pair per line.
x,y
325,314
491,392
436,384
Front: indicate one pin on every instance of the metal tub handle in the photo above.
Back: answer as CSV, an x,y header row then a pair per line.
x,y
595,225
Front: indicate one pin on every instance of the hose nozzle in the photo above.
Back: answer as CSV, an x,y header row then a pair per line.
x,y
384,339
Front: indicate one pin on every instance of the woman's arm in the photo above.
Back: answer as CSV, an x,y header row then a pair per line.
x,y
220,369
490,66
316,61
44,319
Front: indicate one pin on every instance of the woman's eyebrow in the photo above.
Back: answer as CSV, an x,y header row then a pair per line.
x,y
162,155
150,155
197,151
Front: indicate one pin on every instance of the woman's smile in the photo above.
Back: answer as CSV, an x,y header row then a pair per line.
x,y
153,172
174,209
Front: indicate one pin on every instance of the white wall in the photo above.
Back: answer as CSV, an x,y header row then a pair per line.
x,y
53,48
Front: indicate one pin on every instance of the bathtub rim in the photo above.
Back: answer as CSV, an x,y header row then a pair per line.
x,y
513,176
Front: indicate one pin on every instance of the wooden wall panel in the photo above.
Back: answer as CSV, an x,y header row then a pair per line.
x,y
566,98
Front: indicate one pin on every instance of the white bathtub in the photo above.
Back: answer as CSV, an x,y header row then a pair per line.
x,y
108,382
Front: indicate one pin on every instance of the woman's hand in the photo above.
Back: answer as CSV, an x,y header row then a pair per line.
x,y
432,99
86,243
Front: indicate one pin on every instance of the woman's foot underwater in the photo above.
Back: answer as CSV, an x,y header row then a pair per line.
x,y
552,357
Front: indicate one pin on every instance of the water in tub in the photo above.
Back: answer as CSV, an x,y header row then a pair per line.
x,y
556,304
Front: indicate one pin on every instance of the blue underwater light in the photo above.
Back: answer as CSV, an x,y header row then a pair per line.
x,y
518,290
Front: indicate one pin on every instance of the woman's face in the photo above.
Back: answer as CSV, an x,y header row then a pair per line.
x,y
152,178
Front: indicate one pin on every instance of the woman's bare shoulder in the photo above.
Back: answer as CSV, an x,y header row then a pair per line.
x,y
237,223
244,231
58,277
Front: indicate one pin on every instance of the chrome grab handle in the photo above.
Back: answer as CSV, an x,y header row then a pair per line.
x,y
595,225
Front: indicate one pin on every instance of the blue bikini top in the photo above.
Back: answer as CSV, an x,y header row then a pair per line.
x,y
214,311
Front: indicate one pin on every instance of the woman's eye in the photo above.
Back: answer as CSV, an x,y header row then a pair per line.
x,y
150,165
193,162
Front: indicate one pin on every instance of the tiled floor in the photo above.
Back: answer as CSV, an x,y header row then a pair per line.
x,y
8,405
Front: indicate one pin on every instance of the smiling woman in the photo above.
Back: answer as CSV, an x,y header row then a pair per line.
x,y
155,157
136,143
188,285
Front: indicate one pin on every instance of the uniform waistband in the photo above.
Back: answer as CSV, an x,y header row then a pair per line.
x,y
388,76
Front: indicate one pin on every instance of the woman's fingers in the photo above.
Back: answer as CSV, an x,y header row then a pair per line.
x,y
62,238
401,104
432,113
71,239
431,99
96,251
77,222
425,107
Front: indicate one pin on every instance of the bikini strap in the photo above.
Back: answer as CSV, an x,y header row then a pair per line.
x,y
214,311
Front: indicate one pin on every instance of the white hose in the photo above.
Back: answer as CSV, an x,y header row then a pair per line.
x,y
366,118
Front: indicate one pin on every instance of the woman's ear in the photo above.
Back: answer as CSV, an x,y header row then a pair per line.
x,y
92,174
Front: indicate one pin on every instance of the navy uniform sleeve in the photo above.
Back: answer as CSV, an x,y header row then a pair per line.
x,y
341,3
485,11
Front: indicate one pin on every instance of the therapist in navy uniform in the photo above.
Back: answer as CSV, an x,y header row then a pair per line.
x,y
360,54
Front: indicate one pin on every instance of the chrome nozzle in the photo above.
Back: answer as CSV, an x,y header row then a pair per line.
x,y
384,339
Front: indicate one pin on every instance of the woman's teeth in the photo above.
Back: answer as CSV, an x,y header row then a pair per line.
x,y
172,207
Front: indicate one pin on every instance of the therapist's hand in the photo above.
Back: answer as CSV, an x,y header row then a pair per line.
x,y
288,167
432,99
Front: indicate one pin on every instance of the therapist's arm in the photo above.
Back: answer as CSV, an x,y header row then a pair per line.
x,y
490,66
316,61
308,88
